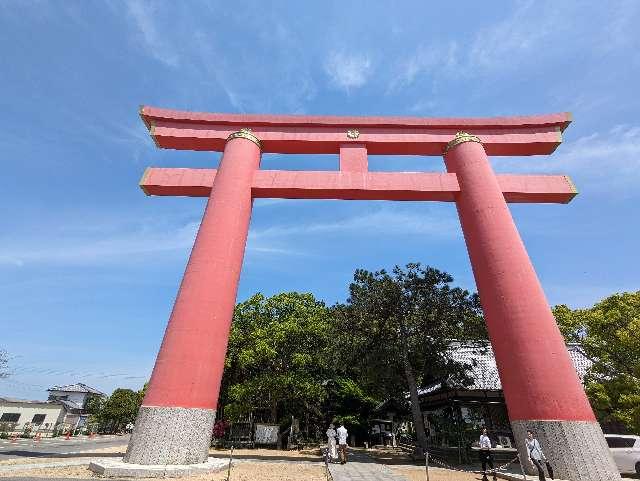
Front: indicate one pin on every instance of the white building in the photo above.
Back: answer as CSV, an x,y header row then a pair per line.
x,y
64,410
16,415
74,398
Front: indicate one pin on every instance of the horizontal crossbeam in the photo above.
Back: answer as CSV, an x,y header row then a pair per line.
x,y
297,134
417,186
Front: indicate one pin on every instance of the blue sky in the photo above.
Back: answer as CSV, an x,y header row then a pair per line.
x,y
89,266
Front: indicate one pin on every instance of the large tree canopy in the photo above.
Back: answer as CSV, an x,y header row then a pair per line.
x,y
396,328
277,356
609,335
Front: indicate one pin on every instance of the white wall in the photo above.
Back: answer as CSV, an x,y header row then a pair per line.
x,y
53,413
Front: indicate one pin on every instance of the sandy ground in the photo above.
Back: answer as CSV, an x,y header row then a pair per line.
x,y
264,471
244,471
306,455
391,456
295,469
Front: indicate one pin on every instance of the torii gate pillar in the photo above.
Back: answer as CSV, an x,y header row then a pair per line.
x,y
175,422
540,384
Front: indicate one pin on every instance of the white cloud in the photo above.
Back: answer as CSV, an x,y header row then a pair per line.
x,y
385,221
97,244
518,34
607,160
348,70
429,60
103,243
143,14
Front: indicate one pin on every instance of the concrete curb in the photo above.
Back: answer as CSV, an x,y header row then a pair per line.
x,y
117,467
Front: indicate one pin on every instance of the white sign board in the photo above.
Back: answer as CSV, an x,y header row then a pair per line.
x,y
266,434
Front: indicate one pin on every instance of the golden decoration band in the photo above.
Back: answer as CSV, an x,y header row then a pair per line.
x,y
461,138
245,134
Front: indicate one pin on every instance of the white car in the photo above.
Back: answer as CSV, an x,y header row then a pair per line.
x,y
625,451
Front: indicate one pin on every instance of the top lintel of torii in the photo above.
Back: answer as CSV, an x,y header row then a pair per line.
x,y
302,134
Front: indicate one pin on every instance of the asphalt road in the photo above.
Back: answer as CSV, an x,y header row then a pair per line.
x,y
59,447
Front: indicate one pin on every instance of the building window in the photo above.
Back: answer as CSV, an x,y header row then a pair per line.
x,y
9,417
615,442
38,418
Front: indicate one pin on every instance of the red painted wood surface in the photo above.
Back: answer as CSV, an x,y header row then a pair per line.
x,y
189,366
538,378
154,114
356,185
353,158
529,135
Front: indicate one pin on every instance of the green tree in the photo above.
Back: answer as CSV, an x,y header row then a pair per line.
x,y
608,334
396,328
275,357
141,393
119,409
349,403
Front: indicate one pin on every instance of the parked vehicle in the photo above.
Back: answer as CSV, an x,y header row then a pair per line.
x,y
625,451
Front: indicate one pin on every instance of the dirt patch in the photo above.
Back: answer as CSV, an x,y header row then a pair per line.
x,y
313,455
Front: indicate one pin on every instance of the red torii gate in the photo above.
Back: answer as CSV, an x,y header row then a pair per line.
x,y
540,384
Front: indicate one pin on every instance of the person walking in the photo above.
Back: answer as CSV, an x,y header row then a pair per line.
x,y
342,443
536,456
485,455
331,442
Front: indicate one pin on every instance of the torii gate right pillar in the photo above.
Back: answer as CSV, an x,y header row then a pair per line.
x,y
541,388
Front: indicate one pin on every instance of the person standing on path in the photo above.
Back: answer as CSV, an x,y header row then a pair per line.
x,y
331,442
485,455
536,456
342,443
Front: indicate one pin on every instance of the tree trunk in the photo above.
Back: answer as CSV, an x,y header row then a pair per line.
x,y
418,420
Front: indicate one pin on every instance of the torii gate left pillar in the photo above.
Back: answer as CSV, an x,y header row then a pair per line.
x,y
175,423
541,387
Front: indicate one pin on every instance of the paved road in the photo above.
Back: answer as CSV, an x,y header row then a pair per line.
x,y
58,447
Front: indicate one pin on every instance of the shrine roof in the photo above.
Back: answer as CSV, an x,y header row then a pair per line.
x,y
483,371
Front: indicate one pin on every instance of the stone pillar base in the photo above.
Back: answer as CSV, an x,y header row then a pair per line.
x,y
576,450
171,435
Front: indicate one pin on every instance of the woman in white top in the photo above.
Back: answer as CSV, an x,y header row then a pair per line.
x,y
485,454
331,441
536,456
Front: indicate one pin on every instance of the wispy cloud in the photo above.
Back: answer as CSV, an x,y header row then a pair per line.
x,y
520,33
274,70
426,60
607,160
143,14
348,70
101,244
97,245
384,222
